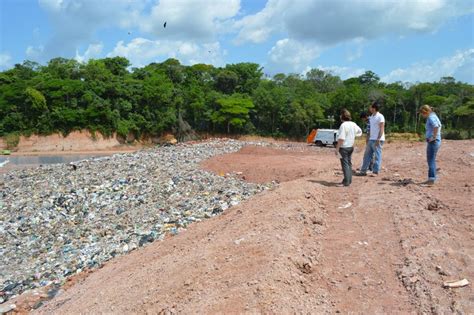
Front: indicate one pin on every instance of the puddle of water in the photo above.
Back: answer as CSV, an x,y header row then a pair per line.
x,y
19,160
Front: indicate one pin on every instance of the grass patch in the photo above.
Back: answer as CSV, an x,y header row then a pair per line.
x,y
404,136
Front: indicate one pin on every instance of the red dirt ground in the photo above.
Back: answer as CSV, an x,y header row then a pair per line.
x,y
383,245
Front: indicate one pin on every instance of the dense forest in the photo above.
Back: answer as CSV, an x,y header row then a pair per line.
x,y
108,96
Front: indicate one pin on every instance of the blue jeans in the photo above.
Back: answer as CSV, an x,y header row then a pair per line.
x,y
431,151
372,158
369,153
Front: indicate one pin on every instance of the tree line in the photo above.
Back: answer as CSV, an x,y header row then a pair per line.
x,y
106,96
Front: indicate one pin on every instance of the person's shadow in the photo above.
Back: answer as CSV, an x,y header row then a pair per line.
x,y
323,182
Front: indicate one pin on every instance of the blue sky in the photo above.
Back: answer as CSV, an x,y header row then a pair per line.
x,y
403,40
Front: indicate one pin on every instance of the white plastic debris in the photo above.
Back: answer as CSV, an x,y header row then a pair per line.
x,y
456,284
345,206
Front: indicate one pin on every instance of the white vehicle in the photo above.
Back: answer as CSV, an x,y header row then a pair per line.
x,y
326,136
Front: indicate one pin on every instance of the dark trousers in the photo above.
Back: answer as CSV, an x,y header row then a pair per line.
x,y
346,163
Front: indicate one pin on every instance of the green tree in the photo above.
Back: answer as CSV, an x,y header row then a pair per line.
x,y
323,82
248,76
233,111
226,81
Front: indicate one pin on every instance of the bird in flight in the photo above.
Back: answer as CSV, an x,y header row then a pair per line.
x,y
164,25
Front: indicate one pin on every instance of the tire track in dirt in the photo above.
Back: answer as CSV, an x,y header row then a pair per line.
x,y
361,252
436,226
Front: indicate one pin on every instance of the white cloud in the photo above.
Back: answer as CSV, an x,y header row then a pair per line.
x,y
258,28
93,51
141,51
5,61
75,22
343,72
190,19
333,21
51,5
460,65
292,56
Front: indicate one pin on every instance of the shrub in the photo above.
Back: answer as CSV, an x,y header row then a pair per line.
x,y
12,140
455,134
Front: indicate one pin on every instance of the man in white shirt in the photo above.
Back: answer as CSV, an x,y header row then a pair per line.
x,y
376,141
345,145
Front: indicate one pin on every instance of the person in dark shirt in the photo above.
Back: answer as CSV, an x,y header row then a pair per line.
x,y
366,119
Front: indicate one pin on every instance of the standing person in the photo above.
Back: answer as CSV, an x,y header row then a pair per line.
x,y
366,120
433,139
345,145
376,141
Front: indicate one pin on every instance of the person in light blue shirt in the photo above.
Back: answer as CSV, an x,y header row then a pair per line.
x,y
433,139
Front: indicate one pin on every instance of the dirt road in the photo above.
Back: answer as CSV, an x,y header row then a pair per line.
x,y
384,245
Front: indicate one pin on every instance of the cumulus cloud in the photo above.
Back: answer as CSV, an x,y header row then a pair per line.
x,y
93,51
259,27
333,21
292,56
76,21
190,19
460,65
343,72
142,51
5,61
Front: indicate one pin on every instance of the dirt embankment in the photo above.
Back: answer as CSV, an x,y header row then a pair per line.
x,y
75,142
384,245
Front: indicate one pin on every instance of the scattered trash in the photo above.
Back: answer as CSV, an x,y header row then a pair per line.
x,y
456,284
56,220
345,206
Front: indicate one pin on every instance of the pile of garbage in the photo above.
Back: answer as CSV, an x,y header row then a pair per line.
x,y
57,220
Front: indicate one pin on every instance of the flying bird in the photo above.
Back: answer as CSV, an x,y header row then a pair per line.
x,y
164,25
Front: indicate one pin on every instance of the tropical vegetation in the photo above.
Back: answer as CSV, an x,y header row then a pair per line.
x,y
108,96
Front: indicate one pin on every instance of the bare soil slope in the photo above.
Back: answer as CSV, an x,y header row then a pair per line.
x,y
76,141
384,245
